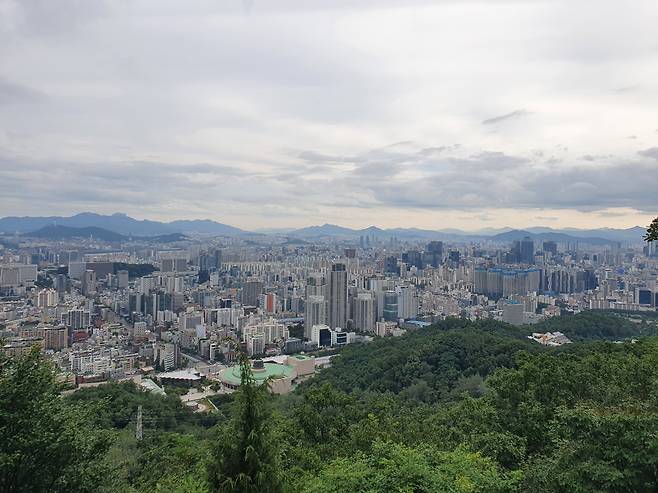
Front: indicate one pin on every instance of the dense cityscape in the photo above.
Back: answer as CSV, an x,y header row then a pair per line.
x,y
161,309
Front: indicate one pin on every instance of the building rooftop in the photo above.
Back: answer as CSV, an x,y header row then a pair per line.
x,y
270,370
151,386
181,375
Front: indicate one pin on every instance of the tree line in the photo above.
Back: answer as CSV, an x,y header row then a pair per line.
x,y
458,407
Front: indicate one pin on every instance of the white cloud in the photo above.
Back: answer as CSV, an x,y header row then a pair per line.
x,y
292,107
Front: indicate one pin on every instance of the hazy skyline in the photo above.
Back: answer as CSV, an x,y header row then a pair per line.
x,y
259,114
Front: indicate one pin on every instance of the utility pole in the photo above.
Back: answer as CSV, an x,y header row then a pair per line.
x,y
138,428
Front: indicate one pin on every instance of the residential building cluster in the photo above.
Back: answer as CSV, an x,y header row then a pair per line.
x,y
105,313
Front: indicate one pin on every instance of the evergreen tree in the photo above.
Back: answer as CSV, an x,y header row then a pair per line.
x,y
244,459
652,231
46,444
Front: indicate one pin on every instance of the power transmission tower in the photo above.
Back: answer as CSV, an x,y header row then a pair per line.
x,y
138,428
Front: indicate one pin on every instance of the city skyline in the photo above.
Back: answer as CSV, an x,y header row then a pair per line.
x,y
432,115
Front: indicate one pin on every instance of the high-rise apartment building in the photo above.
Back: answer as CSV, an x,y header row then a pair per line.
x,y
122,279
407,302
251,290
338,296
89,282
364,312
523,251
314,313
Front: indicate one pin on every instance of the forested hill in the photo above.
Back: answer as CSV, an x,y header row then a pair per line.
x,y
456,355
594,325
431,364
459,407
582,417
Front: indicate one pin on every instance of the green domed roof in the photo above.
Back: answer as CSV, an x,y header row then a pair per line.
x,y
270,370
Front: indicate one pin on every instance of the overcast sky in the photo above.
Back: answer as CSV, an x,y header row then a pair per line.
x,y
277,113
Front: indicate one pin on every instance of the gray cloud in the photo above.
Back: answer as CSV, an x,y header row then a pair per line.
x,y
652,152
497,180
206,107
508,116
11,93
377,178
320,158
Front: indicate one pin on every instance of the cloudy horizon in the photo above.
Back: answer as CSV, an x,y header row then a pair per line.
x,y
469,115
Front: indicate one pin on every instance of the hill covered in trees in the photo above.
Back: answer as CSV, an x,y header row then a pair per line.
x,y
596,325
459,407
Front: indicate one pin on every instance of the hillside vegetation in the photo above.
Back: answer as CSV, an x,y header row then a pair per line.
x,y
458,407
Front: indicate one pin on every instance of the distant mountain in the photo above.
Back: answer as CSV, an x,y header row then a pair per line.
x,y
324,230
634,234
592,237
205,226
513,235
126,225
67,233
274,231
120,223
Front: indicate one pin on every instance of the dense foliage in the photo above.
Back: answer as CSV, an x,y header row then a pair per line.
x,y
598,325
244,458
45,444
426,365
459,407
652,231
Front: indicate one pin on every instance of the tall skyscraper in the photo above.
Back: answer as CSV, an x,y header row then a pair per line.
x,y
251,290
407,302
89,282
413,257
316,285
314,313
550,246
391,265
338,296
390,301
364,312
61,285
527,251
433,254
122,279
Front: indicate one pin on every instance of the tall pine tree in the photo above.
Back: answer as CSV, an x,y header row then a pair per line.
x,y
244,459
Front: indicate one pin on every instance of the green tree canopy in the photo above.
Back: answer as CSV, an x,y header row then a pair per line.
x,y
392,467
244,459
652,231
45,445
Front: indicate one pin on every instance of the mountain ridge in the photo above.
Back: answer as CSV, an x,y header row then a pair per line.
x,y
118,223
59,232
126,225
592,236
